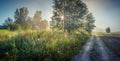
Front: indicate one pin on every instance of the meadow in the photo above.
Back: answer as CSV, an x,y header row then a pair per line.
x,y
112,40
33,45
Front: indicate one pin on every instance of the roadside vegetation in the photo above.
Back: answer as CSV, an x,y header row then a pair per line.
x,y
42,46
27,38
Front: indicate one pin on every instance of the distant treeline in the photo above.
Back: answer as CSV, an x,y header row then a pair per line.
x,y
68,15
23,21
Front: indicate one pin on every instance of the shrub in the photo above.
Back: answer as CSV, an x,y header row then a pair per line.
x,y
42,46
14,27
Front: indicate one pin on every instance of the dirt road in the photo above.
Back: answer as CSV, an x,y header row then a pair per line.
x,y
95,50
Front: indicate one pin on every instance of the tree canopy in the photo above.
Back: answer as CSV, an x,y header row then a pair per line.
x,y
108,30
21,16
70,14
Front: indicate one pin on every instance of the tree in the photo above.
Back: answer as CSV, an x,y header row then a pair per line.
x,y
8,21
14,26
11,25
68,14
21,16
108,30
29,23
37,20
52,24
38,23
44,25
89,22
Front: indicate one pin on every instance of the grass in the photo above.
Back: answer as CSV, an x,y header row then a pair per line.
x,y
40,45
107,41
4,34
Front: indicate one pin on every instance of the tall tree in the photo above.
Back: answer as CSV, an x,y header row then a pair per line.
x,y
21,16
89,22
37,18
68,14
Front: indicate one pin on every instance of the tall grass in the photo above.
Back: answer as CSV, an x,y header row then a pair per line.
x,y
42,46
5,34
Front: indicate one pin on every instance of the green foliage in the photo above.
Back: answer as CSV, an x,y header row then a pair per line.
x,y
108,30
10,25
5,34
89,22
42,46
8,21
14,27
26,22
69,15
27,26
21,16
38,23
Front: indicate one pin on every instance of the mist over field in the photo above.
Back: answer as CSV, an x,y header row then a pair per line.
x,y
59,30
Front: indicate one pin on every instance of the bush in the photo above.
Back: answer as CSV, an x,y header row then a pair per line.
x,y
14,27
42,46
108,30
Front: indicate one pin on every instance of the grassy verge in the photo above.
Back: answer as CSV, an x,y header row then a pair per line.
x,y
107,43
41,46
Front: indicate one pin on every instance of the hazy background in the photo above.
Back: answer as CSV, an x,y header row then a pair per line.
x,y
106,12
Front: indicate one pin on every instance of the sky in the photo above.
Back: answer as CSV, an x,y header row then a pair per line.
x,y
8,7
106,12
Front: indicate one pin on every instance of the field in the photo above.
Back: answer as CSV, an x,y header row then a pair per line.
x,y
35,45
112,41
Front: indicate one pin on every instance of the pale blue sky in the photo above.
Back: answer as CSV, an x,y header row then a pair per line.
x,y
8,8
106,12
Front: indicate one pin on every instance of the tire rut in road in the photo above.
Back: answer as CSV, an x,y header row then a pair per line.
x,y
84,55
94,56
95,50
